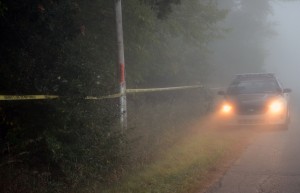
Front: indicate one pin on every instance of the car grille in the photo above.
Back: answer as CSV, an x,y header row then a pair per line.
x,y
250,109
250,121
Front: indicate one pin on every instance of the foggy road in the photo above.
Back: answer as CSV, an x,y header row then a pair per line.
x,y
271,164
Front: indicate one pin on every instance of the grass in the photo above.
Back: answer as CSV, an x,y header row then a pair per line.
x,y
187,164
171,150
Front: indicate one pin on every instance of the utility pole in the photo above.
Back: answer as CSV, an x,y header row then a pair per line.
x,y
121,63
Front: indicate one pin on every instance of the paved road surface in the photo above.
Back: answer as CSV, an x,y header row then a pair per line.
x,y
270,165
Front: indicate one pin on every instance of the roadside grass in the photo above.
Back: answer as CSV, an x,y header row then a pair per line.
x,y
174,146
185,166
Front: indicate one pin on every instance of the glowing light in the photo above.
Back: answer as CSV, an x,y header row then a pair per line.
x,y
226,108
276,107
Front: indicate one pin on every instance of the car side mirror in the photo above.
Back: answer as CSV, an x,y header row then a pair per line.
x,y
287,90
221,92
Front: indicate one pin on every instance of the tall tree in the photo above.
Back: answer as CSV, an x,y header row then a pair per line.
x,y
162,7
174,50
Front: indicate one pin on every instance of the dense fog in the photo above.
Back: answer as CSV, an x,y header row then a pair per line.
x,y
284,48
74,144
242,48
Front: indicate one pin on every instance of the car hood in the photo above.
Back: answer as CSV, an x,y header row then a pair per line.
x,y
248,99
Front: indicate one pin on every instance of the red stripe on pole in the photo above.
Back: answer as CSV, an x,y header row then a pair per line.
x,y
122,73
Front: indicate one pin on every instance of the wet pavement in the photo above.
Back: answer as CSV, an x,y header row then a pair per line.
x,y
271,164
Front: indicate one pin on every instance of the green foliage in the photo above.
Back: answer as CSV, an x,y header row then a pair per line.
x,y
3,8
48,47
172,51
69,48
162,7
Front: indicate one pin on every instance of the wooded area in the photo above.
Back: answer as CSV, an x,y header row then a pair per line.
x,y
69,48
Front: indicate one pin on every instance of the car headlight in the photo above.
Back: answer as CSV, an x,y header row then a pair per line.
x,y
276,106
226,108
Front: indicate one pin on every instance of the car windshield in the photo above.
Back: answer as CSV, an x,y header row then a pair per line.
x,y
253,86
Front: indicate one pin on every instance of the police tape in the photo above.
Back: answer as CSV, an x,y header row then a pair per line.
x,y
27,97
162,89
103,97
51,97
128,91
146,90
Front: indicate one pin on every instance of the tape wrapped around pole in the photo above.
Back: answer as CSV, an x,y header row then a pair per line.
x,y
162,89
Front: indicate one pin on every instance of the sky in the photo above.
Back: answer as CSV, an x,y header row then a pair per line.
x,y
284,48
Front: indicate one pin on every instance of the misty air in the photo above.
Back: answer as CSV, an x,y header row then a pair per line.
x,y
149,96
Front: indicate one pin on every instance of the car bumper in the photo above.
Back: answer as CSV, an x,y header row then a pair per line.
x,y
238,120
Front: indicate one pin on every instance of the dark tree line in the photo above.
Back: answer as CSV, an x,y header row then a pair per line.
x,y
69,48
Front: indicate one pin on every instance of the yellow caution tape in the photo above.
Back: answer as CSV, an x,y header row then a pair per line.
x,y
162,89
103,97
26,97
132,91
128,91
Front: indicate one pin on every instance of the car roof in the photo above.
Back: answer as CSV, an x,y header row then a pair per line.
x,y
255,75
